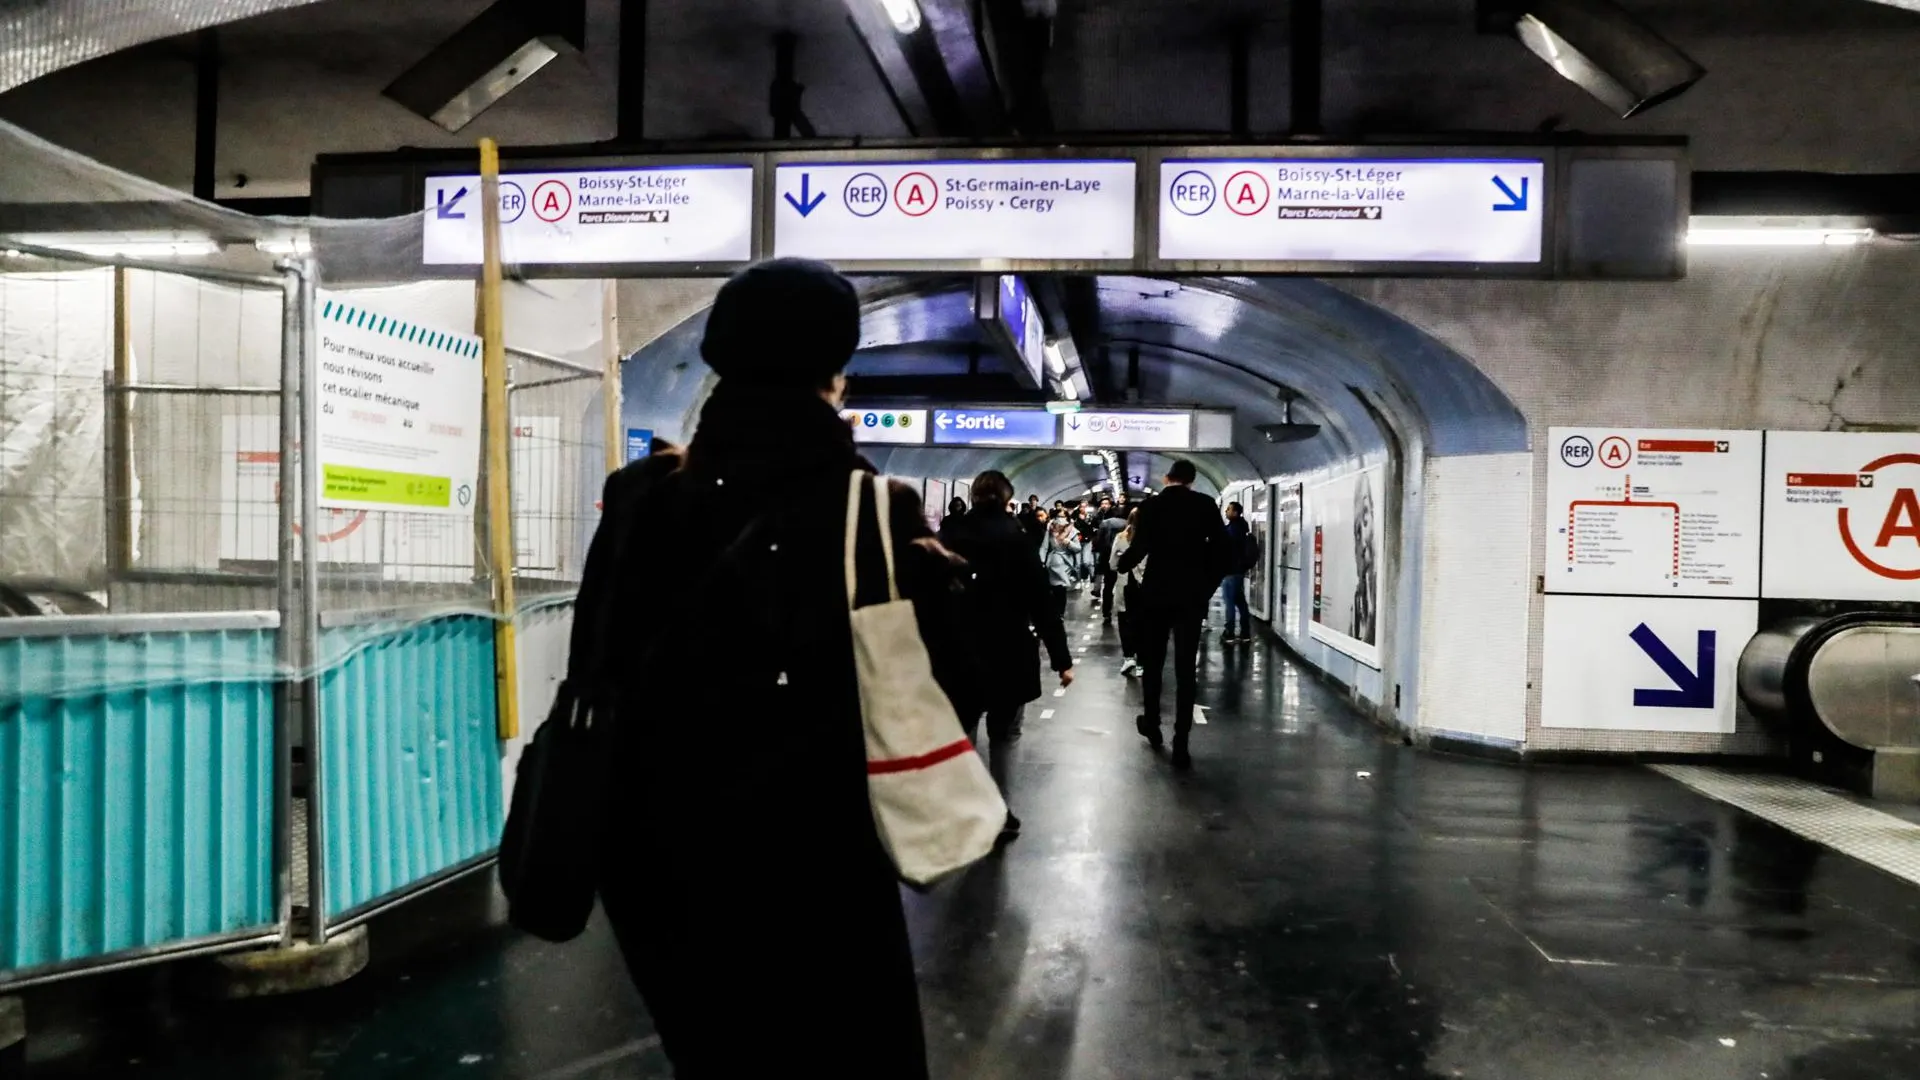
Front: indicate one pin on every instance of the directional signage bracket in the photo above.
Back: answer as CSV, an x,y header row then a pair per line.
x,y
1425,211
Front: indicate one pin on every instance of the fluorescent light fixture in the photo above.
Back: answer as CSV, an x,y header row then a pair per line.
x,y
484,61
142,249
1707,236
1056,363
1092,459
905,14
285,245
1059,407
1604,51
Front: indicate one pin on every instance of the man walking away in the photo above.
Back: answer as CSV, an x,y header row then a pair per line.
x,y
1006,601
1245,552
1181,532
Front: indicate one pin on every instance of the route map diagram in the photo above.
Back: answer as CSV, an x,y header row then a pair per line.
x,y
1653,513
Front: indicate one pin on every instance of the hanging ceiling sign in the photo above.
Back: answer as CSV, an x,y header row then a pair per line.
x,y
990,425
1353,211
1128,430
972,213
680,214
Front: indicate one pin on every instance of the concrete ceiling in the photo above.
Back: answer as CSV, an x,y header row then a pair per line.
x,y
1827,85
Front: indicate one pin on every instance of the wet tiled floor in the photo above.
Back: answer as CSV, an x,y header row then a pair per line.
x,y
1314,900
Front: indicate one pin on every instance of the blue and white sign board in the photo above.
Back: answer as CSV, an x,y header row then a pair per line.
x,y
1363,210
892,427
993,427
1128,430
639,443
1631,663
1020,317
669,214
934,211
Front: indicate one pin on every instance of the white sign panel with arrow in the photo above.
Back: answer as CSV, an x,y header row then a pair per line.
x,y
1363,210
1128,430
668,214
926,211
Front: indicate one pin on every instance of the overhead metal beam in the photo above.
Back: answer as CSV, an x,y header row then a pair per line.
x,y
206,114
936,72
631,95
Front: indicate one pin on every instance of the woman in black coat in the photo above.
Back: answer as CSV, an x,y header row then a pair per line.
x,y
757,910
997,671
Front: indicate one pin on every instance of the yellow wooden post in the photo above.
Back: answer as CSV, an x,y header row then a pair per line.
x,y
610,381
499,437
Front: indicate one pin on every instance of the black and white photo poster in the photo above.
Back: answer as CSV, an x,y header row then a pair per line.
x,y
1346,516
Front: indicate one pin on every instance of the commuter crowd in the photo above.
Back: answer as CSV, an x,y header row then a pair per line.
x,y
736,852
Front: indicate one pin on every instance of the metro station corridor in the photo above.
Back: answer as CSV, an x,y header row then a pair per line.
x,y
1314,900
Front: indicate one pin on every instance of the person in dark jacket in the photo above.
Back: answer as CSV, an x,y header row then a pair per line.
x,y
1006,601
1112,522
1234,586
1180,531
741,861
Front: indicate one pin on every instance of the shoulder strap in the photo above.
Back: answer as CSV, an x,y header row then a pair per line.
x,y
858,483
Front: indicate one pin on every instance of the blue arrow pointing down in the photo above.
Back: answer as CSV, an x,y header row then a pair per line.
x,y
808,202
444,207
1514,201
1695,684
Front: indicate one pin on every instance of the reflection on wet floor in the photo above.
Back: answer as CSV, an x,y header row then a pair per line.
x,y
1315,900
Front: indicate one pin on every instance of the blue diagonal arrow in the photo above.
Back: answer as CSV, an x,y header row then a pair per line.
x,y
444,207
808,202
1695,685
1514,202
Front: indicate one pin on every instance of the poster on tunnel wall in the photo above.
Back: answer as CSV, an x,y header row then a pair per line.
x,y
1259,518
1843,516
1344,519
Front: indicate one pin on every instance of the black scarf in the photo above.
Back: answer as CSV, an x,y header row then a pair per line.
x,y
770,432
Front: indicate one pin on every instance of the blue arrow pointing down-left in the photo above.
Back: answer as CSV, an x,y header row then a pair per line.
x,y
1695,685
444,208
808,201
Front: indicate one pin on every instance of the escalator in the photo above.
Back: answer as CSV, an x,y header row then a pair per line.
x,y
1844,694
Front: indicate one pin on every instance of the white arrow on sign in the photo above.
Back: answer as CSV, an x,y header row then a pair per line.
x,y
945,421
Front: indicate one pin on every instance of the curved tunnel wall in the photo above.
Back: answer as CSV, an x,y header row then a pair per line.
x,y
1385,394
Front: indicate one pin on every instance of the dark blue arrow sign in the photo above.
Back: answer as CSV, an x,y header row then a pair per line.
x,y
1073,422
808,202
1514,201
444,207
1695,684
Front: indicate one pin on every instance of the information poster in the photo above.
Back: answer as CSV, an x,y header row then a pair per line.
x,y
1345,516
399,410
1641,512
1259,517
1630,663
1843,515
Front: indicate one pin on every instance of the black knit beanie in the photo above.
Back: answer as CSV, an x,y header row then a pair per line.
x,y
785,321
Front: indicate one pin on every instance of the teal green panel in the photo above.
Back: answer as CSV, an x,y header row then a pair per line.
x,y
141,815
410,758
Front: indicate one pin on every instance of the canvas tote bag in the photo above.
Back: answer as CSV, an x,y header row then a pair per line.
x,y
935,804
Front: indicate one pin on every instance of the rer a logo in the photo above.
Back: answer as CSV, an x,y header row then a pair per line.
x,y
1894,550
1576,451
1616,452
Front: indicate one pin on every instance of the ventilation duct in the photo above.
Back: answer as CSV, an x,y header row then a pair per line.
x,y
39,37
1599,48
487,58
